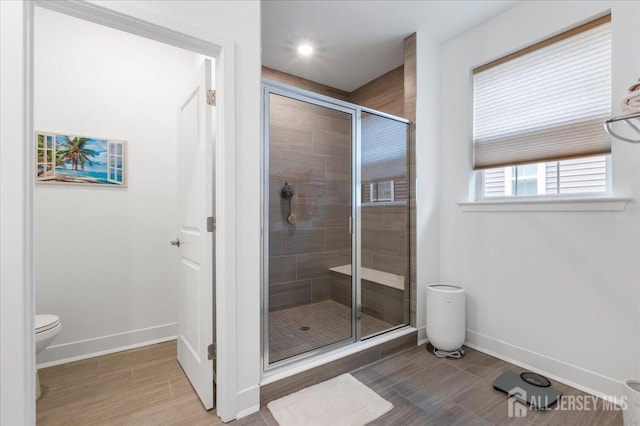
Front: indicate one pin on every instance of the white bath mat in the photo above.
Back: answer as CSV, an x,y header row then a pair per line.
x,y
341,401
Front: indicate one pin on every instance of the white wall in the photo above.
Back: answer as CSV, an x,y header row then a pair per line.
x,y
555,290
103,259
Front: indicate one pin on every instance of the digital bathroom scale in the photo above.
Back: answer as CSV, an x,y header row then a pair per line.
x,y
528,388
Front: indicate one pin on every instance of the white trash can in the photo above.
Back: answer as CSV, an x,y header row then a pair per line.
x,y
631,415
445,316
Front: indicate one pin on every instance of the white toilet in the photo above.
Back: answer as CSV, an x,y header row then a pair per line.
x,y
47,328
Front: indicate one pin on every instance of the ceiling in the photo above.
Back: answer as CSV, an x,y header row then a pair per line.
x,y
357,41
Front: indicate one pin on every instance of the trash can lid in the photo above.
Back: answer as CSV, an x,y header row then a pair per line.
x,y
445,288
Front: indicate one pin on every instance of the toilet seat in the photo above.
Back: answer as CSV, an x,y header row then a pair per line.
x,y
46,322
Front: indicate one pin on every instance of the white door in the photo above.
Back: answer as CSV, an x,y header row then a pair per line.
x,y
195,243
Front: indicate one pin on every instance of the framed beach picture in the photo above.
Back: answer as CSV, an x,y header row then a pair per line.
x,y
79,160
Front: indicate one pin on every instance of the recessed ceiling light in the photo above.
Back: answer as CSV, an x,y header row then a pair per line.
x,y
305,49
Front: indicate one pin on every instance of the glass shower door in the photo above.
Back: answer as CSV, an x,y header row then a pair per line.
x,y
309,296
384,224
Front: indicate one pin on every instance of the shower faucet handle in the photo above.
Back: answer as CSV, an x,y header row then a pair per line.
x,y
175,243
287,191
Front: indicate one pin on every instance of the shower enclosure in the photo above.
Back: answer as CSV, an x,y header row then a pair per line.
x,y
335,224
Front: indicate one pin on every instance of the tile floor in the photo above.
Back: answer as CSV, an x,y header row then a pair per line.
x,y
328,321
147,387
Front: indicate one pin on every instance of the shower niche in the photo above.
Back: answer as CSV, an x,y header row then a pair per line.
x,y
335,224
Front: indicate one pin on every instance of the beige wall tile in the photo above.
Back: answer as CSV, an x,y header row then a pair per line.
x,y
299,241
281,269
316,264
289,294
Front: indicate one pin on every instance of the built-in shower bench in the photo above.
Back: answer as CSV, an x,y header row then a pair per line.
x,y
382,292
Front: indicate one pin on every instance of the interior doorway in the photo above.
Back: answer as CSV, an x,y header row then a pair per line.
x,y
207,332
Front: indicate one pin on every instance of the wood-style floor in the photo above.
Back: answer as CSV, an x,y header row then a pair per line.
x,y
140,386
146,386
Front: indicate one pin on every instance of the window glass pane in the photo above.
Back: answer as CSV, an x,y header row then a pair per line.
x,y
49,141
41,156
383,191
119,175
119,162
582,175
111,148
119,149
526,187
40,141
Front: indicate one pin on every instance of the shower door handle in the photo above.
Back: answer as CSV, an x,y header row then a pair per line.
x,y
175,243
350,224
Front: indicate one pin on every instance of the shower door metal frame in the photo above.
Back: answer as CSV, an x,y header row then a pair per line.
x,y
271,87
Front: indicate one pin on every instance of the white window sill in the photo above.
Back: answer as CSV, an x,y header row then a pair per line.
x,y
591,204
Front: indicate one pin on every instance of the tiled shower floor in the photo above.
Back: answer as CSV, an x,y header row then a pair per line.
x,y
328,322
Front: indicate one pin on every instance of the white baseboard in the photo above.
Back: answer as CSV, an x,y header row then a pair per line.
x,y
245,401
576,377
89,348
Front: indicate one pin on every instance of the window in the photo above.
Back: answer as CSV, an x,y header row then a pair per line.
x,y
538,117
46,157
580,176
387,191
115,158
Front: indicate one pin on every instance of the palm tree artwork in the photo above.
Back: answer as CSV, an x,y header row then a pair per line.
x,y
74,151
80,160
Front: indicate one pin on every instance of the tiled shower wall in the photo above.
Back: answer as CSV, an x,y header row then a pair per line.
x,y
310,148
385,243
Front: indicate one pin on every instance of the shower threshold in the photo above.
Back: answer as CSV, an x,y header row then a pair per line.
x,y
280,372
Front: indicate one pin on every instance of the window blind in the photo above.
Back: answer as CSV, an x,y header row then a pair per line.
x,y
545,104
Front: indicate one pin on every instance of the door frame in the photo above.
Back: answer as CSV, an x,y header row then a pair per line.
x,y
144,22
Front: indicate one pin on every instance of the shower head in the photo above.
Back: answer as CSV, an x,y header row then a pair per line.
x,y
287,191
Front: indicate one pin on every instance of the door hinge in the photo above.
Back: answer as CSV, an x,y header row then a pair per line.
x,y
211,224
211,97
211,351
